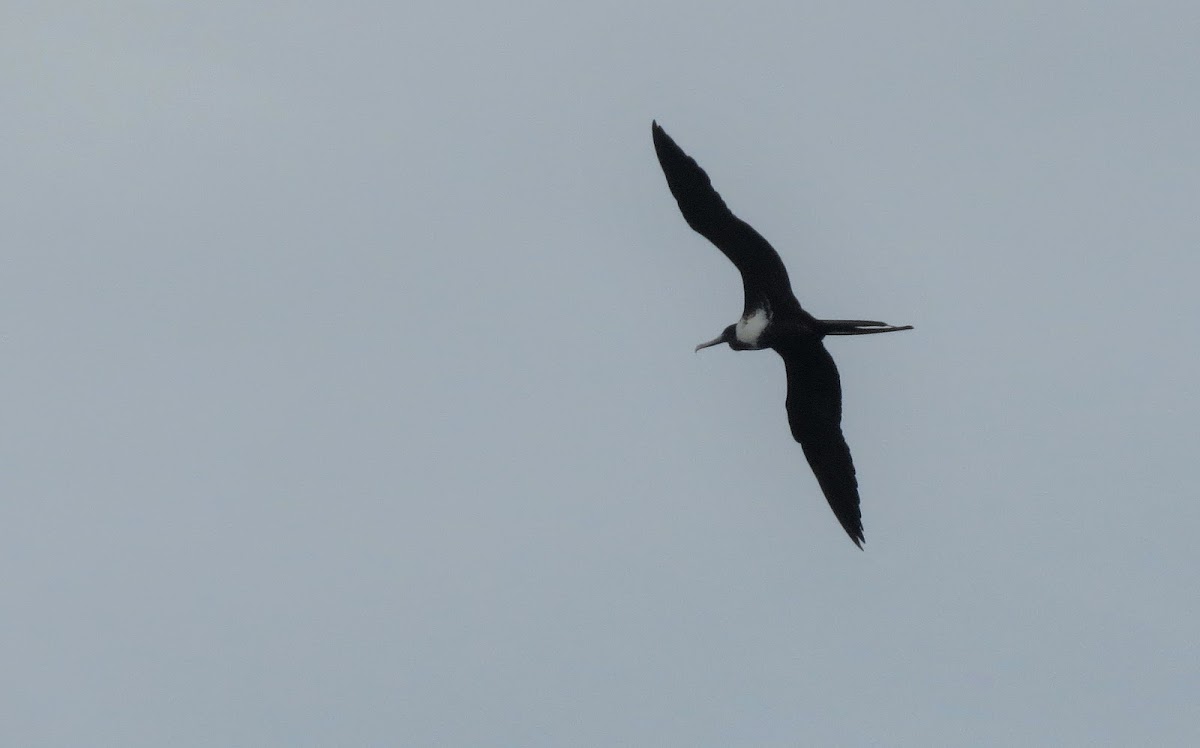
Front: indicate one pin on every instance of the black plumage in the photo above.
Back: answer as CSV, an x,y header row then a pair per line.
x,y
773,318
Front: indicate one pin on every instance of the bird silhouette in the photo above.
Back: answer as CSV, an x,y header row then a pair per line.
x,y
773,318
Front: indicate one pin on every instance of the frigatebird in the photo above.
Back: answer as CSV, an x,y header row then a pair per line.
x,y
773,318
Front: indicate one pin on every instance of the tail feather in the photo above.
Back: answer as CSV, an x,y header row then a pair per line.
x,y
859,327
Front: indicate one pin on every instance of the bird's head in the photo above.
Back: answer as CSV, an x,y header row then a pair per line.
x,y
728,335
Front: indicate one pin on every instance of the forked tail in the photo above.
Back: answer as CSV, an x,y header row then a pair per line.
x,y
858,327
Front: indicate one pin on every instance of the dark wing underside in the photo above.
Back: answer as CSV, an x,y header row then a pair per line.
x,y
764,278
814,408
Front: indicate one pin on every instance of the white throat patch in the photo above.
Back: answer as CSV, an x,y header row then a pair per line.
x,y
750,327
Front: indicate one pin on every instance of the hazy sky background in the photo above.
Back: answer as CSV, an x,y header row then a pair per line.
x,y
349,395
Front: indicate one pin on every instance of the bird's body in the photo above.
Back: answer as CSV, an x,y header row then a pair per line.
x,y
773,318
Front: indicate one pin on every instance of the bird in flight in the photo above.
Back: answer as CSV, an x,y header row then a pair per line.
x,y
773,318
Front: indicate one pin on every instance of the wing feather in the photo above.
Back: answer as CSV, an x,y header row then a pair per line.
x,y
764,277
814,408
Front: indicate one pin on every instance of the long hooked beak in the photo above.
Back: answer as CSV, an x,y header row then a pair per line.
x,y
715,341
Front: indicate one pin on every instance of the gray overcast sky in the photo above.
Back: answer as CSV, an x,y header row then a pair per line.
x,y
349,395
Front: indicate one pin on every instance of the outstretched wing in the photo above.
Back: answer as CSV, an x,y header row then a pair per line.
x,y
814,408
764,278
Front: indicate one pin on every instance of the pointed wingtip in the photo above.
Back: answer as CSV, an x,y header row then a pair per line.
x,y
855,531
660,135
665,147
